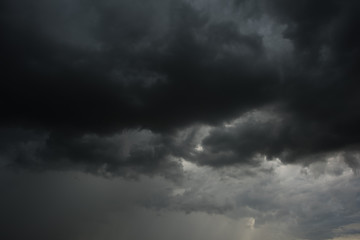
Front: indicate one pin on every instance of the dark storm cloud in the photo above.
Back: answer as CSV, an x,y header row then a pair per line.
x,y
85,67
318,101
271,135
327,48
126,154
207,94
186,75
74,69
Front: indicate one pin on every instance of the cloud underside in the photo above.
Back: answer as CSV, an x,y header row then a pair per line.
x,y
79,75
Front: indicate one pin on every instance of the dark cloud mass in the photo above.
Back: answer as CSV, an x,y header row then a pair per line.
x,y
135,87
134,80
91,67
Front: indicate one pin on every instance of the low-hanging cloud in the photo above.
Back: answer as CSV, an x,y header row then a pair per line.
x,y
79,74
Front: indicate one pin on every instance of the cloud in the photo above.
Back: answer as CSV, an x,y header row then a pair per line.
x,y
271,134
135,78
237,119
280,202
123,154
88,68
309,202
348,237
74,205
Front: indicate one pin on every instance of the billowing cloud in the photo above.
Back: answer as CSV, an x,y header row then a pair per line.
x,y
241,111
81,68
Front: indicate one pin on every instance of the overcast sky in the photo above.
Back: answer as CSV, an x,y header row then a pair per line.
x,y
180,119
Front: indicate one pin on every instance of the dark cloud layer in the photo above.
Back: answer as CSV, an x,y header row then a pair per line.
x,y
123,85
249,107
74,69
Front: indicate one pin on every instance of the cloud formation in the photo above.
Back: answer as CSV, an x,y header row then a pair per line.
x,y
83,68
248,107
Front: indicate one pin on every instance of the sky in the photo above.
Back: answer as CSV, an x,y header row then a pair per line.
x,y
180,119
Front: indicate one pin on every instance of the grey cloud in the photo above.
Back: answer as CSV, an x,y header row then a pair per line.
x,y
224,98
311,205
284,199
127,154
178,66
134,74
